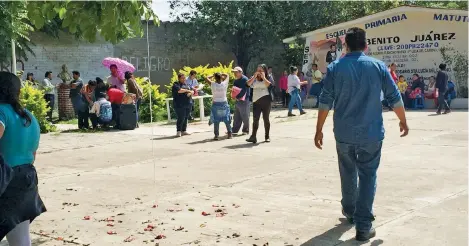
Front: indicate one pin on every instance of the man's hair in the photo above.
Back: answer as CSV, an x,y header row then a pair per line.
x,y
332,45
92,83
48,73
416,75
193,72
401,76
76,73
314,65
442,66
180,75
355,38
113,65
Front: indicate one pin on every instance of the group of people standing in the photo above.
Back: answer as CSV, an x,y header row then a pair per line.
x,y
258,89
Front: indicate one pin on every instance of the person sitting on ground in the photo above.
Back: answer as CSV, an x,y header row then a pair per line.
x,y
294,84
101,112
220,108
115,96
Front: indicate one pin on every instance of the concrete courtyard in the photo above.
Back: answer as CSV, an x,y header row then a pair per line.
x,y
281,193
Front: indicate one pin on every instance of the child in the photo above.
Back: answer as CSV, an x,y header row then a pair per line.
x,y
101,112
402,86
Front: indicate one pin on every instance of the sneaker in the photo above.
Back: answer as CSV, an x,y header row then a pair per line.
x,y
185,134
252,140
216,138
267,139
178,134
438,112
302,112
230,135
365,236
291,115
447,111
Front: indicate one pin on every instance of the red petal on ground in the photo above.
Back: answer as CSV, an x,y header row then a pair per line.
x,y
161,236
110,224
86,218
205,214
111,232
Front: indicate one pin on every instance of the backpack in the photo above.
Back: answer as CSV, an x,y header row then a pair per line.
x,y
105,112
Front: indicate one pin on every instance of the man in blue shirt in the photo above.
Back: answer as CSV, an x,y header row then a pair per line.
x,y
352,86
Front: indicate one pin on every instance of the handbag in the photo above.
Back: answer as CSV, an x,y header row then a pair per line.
x,y
6,175
235,92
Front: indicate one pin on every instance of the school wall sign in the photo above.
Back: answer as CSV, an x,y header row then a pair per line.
x,y
408,36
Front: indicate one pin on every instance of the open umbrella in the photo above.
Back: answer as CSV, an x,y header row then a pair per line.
x,y
122,65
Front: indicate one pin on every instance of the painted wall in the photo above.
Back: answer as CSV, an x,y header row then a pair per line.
x,y
411,39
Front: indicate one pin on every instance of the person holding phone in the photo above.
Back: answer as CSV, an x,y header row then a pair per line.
x,y
262,101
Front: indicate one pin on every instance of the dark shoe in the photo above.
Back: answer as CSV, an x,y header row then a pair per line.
x,y
365,236
291,115
302,112
252,140
438,112
447,111
216,138
348,217
230,135
267,139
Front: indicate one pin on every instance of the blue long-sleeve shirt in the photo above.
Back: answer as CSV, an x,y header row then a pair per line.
x,y
353,85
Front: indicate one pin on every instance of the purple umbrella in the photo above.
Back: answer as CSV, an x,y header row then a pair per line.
x,y
122,65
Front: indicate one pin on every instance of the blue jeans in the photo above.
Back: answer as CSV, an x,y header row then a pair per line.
x,y
137,104
216,128
295,99
358,164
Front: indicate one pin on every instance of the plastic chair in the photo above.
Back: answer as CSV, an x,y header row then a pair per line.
x,y
419,102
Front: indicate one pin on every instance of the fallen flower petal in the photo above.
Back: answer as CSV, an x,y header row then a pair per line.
x,y
111,232
129,239
161,236
205,214
86,218
154,206
110,224
60,238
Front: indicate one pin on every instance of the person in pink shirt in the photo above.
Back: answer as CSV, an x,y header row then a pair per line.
x,y
283,84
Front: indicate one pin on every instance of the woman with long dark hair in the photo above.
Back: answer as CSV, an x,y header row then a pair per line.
x,y
20,203
262,98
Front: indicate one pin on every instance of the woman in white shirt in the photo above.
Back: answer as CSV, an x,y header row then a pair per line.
x,y
220,107
262,101
294,85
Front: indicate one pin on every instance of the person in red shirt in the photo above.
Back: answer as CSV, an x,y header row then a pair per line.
x,y
283,85
115,97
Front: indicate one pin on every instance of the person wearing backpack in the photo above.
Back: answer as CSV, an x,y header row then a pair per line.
x,y
101,112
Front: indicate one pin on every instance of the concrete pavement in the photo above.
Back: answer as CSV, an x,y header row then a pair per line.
x,y
282,193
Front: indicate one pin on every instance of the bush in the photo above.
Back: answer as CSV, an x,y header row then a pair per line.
x,y
33,100
157,99
202,73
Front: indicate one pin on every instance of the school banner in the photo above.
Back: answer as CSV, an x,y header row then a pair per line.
x,y
411,39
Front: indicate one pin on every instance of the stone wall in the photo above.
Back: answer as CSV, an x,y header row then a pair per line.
x,y
51,53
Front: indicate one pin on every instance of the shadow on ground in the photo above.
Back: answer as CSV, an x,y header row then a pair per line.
x,y
34,242
333,235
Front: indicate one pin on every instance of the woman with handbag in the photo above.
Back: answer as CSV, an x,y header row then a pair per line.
x,y
20,203
262,98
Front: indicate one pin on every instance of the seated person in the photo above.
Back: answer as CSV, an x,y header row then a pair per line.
x,y
412,93
115,98
101,112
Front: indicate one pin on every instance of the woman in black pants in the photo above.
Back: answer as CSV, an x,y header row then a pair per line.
x,y
262,98
182,97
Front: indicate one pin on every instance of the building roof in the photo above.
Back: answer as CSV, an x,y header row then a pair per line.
x,y
377,15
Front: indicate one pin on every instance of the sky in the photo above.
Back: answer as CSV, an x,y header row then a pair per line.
x,y
161,9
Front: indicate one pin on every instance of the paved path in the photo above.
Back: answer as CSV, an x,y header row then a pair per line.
x,y
285,192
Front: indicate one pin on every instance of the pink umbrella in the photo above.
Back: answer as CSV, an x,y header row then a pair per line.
x,y
122,65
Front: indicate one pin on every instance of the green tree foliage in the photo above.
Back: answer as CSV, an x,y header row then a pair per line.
x,y
33,100
112,20
157,99
247,27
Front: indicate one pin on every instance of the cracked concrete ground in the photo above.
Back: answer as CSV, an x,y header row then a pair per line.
x,y
285,192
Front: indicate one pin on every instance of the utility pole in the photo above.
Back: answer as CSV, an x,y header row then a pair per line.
x,y
13,57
